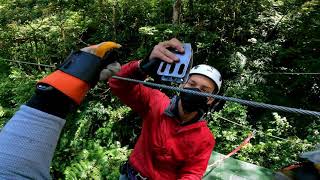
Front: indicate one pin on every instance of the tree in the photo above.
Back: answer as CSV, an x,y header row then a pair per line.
x,y
243,39
177,12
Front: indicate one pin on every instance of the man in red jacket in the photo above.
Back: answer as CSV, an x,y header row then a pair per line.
x,y
175,143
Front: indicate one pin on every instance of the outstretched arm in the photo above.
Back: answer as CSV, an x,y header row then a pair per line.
x,y
28,140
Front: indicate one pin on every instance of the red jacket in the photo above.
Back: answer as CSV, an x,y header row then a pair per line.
x,y
165,149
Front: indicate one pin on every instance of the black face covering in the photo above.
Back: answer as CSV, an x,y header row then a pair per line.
x,y
192,102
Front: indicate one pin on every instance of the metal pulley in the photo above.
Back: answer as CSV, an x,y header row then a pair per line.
x,y
177,72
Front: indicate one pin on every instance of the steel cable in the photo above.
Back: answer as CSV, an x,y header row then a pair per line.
x,y
225,98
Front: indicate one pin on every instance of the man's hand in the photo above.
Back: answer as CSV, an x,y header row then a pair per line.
x,y
162,52
109,71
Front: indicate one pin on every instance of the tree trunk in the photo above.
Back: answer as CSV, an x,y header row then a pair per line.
x,y
190,17
176,12
114,21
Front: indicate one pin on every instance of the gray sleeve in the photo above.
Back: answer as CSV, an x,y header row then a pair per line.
x,y
313,156
27,144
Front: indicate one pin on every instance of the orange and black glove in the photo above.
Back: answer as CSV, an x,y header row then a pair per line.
x,y
63,90
82,70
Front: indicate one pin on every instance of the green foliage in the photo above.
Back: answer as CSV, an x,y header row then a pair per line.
x,y
227,135
274,154
263,150
243,39
96,162
16,88
87,148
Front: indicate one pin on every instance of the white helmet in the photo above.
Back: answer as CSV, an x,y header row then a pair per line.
x,y
209,72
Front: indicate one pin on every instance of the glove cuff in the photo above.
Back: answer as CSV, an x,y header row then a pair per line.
x,y
76,75
71,86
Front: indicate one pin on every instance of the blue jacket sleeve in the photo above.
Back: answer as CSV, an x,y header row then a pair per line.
x,y
27,144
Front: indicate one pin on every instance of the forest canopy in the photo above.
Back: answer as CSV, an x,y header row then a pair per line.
x,y
263,48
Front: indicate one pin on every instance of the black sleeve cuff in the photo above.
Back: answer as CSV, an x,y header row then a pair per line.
x,y
51,101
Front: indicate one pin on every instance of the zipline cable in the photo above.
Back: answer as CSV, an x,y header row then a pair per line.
x,y
223,118
23,62
262,73
225,98
244,102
